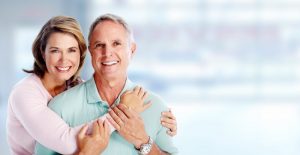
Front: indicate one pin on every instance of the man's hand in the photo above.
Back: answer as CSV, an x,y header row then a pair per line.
x,y
129,125
95,143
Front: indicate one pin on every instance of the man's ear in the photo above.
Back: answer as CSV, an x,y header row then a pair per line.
x,y
133,49
89,48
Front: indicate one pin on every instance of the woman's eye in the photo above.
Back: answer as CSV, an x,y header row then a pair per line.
x,y
54,51
73,50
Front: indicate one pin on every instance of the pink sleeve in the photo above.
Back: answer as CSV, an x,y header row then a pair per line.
x,y
42,123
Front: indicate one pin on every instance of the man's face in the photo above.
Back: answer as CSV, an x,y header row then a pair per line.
x,y
111,50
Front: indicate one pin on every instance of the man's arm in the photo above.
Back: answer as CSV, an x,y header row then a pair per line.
x,y
131,126
154,149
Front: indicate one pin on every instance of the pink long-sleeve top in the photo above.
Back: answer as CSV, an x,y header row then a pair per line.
x,y
30,120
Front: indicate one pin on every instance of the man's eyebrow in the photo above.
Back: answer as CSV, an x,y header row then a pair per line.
x,y
98,42
117,40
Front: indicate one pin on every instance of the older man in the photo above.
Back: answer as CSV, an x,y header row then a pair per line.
x,y
112,47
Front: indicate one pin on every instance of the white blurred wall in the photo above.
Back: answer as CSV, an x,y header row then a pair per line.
x,y
229,69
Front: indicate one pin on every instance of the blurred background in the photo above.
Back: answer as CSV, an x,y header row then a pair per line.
x,y
229,69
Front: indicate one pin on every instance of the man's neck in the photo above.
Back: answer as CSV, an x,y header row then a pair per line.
x,y
109,90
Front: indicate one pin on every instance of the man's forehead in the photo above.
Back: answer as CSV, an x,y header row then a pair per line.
x,y
110,25
110,30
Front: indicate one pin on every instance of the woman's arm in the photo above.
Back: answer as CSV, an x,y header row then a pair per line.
x,y
46,126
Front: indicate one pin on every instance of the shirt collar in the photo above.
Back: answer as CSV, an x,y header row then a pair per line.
x,y
128,86
94,97
92,91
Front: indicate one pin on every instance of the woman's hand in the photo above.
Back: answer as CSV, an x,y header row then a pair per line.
x,y
95,143
168,120
134,99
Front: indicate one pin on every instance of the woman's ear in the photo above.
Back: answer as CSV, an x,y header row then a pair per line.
x,y
43,53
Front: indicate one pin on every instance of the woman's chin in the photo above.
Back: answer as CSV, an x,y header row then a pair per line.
x,y
64,78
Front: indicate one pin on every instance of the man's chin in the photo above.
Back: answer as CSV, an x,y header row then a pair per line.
x,y
110,76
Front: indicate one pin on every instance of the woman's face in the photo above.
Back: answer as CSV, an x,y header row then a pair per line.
x,y
62,56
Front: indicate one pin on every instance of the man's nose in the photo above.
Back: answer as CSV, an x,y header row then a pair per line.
x,y
107,51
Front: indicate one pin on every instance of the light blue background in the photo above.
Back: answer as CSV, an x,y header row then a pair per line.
x,y
229,69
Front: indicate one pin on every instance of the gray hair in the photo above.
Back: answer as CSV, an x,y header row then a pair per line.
x,y
113,18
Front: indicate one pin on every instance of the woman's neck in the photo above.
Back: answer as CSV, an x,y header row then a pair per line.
x,y
53,86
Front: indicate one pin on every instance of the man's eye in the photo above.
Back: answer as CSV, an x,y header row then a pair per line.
x,y
99,45
116,43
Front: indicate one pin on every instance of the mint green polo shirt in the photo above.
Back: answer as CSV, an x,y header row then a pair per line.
x,y
83,104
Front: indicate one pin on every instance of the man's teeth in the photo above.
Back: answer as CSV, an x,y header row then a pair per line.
x,y
109,63
63,68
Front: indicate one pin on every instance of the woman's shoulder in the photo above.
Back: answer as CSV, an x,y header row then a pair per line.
x,y
28,92
31,83
29,80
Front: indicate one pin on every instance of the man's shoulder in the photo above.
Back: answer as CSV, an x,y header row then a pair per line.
x,y
158,104
68,97
157,100
151,118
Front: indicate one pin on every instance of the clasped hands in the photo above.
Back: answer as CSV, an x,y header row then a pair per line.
x,y
129,125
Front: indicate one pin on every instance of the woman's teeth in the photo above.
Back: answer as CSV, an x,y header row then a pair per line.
x,y
63,68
